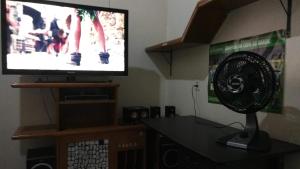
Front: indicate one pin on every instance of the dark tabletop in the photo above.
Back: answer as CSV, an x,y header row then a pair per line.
x,y
200,135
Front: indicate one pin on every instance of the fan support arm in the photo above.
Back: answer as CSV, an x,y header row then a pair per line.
x,y
250,139
251,124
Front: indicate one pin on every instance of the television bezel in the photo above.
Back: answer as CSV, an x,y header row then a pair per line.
x,y
7,71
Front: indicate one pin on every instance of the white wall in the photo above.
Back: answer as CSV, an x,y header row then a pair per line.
x,y
191,65
147,25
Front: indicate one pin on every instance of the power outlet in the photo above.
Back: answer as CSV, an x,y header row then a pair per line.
x,y
196,86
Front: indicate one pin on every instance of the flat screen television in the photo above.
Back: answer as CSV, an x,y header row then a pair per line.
x,y
55,38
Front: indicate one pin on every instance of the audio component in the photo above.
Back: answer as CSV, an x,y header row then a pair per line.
x,y
170,111
133,115
41,158
85,94
169,154
155,112
174,156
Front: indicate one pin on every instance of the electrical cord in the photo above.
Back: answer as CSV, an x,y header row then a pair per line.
x,y
194,102
196,106
46,107
221,126
282,4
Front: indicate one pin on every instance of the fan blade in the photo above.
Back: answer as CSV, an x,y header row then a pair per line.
x,y
228,96
252,77
246,100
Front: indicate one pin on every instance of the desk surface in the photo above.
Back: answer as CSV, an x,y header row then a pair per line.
x,y
200,135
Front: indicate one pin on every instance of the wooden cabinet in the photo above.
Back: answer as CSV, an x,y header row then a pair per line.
x,y
81,105
87,127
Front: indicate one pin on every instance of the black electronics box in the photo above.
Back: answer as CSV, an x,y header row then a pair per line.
x,y
41,158
170,111
133,115
85,94
174,156
155,112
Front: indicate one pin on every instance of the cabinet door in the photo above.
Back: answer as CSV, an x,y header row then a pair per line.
x,y
86,151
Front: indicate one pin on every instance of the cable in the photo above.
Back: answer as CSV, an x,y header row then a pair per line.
x,y
231,124
46,107
109,3
53,95
282,4
197,99
221,126
194,104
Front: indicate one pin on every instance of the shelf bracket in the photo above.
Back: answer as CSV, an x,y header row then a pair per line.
x,y
288,11
289,18
169,60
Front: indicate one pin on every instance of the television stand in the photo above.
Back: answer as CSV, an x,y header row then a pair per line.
x,y
70,79
86,119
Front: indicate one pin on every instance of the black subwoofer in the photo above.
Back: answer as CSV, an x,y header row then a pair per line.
x,y
41,158
169,154
174,156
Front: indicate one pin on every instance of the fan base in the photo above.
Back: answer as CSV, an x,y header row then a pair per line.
x,y
259,142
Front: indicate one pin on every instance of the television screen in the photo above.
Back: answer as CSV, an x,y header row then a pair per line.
x,y
44,37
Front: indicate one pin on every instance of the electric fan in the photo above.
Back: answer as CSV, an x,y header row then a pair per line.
x,y
245,82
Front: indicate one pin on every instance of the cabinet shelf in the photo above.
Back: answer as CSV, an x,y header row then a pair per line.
x,y
204,23
64,85
50,131
40,131
87,102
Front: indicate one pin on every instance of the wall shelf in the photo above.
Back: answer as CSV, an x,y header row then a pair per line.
x,y
204,23
88,102
50,131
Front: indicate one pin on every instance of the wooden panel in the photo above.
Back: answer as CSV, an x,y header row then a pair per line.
x,y
123,135
45,131
89,115
30,132
88,102
204,23
63,85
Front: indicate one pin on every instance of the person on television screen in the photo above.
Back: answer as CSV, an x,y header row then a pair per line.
x,y
12,25
75,35
59,40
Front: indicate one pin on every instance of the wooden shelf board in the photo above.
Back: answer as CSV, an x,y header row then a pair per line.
x,y
170,45
207,18
63,85
46,131
112,128
87,102
29,132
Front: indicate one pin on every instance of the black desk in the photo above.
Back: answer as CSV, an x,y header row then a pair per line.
x,y
200,135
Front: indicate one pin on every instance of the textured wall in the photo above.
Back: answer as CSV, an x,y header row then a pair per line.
x,y
191,65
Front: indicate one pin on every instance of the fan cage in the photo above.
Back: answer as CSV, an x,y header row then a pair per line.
x,y
255,78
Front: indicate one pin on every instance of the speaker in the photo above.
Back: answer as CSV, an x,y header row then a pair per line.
x,y
133,115
169,157
174,156
155,112
41,158
170,111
